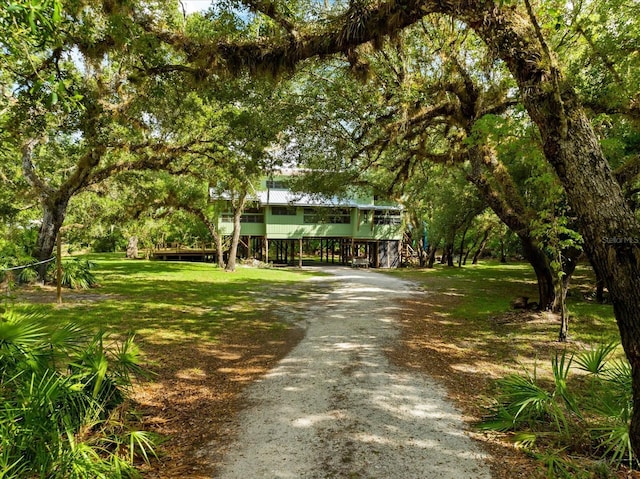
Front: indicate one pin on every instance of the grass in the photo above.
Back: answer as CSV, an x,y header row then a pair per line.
x,y
481,293
165,302
178,301
486,288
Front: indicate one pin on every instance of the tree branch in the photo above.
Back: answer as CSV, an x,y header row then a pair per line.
x,y
354,27
28,169
154,156
269,9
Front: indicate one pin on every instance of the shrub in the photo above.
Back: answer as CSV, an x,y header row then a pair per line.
x,y
15,248
76,273
27,275
10,270
62,400
598,413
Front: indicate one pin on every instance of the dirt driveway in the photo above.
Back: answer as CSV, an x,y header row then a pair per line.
x,y
336,408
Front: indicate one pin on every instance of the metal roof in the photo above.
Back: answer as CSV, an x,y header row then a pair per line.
x,y
282,197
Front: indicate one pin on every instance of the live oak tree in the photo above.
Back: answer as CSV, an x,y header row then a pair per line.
x,y
58,164
78,112
568,139
604,215
569,142
446,213
249,117
237,124
455,205
487,227
415,110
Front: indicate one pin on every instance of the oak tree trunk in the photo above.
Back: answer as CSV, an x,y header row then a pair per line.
x,y
569,262
471,248
512,214
54,212
432,254
464,235
132,248
218,238
564,318
235,237
605,220
544,274
600,292
483,244
449,253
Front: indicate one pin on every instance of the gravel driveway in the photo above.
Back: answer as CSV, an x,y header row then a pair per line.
x,y
336,408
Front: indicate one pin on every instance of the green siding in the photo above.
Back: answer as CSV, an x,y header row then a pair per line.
x,y
380,232
367,230
308,231
291,220
293,227
247,229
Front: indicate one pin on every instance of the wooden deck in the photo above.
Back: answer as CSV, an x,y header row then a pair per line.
x,y
184,254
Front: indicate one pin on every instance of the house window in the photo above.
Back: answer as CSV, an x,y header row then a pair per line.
x,y
252,218
311,216
250,215
387,218
283,210
327,216
276,184
340,216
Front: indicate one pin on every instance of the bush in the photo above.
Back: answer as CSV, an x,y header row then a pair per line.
x,y
76,273
564,418
15,251
27,275
109,243
19,275
62,399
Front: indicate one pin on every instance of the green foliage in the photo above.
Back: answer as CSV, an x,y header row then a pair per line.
x,y
178,303
557,465
62,400
594,360
28,22
569,413
27,275
522,402
77,273
15,247
525,403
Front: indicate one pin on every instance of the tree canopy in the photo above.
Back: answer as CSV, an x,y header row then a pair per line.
x,y
531,100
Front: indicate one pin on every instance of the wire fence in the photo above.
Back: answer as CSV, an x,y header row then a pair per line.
x,y
27,265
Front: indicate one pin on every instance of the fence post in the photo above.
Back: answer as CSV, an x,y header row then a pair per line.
x,y
59,268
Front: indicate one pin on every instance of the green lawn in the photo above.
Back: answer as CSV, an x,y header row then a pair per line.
x,y
179,301
486,290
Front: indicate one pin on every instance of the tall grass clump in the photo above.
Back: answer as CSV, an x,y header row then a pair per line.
x,y
77,273
575,414
63,402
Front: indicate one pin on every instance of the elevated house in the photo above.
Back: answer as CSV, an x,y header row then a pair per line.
x,y
279,225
